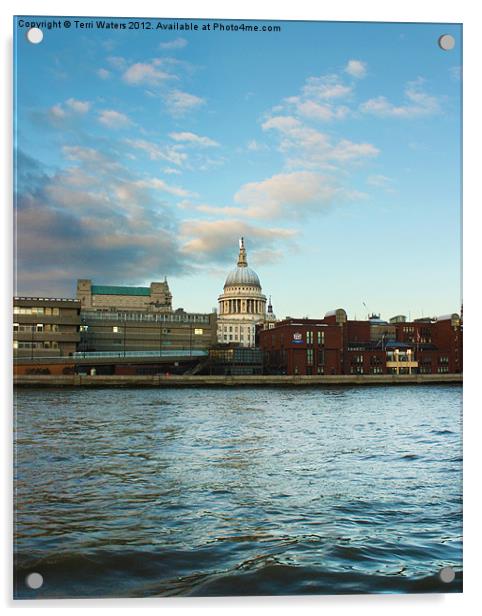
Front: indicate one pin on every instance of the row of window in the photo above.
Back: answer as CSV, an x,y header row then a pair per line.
x,y
35,345
36,310
119,329
39,327
237,328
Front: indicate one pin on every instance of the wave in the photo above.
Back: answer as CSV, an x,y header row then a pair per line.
x,y
193,573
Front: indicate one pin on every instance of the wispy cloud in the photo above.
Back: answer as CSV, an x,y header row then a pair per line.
x,y
103,73
193,139
207,241
171,154
326,87
311,148
177,43
114,119
356,68
145,74
417,103
78,106
290,195
179,103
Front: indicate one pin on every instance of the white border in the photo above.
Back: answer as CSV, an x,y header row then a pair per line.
x,y
349,10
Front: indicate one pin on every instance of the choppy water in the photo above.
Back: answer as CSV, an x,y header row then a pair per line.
x,y
236,492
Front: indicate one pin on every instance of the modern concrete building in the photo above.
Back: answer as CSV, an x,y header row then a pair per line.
x,y
128,332
155,298
242,305
45,327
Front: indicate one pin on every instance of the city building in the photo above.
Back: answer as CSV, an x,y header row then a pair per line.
x,y
154,298
336,345
140,331
234,361
45,327
242,305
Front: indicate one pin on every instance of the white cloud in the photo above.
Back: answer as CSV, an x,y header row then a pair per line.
x,y
256,146
62,113
379,180
282,123
158,184
177,43
418,103
319,100
103,73
113,119
192,138
78,106
142,73
288,195
455,73
326,87
170,154
325,112
356,68
217,240
57,112
117,62
179,103
312,147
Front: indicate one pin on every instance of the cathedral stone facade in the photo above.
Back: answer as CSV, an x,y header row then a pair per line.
x,y
242,304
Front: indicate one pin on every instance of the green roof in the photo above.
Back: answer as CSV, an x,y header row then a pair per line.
x,y
98,289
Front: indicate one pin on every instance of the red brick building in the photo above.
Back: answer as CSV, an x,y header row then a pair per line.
x,y
335,345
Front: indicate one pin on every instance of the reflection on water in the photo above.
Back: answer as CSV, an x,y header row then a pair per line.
x,y
225,492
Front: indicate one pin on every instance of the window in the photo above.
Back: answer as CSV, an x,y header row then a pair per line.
x,y
15,327
15,344
33,310
309,337
309,356
321,337
198,331
115,329
40,327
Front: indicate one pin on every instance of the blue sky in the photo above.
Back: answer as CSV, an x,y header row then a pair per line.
x,y
334,148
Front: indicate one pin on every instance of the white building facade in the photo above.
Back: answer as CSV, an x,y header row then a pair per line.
x,y
242,304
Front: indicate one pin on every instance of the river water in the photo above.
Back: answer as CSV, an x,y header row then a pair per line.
x,y
145,492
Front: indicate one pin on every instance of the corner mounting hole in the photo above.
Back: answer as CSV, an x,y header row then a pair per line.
x,y
447,575
35,36
34,580
446,42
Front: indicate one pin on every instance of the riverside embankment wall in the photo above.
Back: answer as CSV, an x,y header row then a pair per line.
x,y
230,381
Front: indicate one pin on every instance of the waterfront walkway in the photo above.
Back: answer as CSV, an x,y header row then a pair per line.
x,y
78,380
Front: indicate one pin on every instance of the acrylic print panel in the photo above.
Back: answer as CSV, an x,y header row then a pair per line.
x,y
310,169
